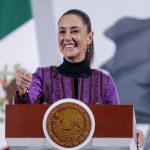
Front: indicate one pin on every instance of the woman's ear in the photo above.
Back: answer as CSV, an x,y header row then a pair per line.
x,y
90,37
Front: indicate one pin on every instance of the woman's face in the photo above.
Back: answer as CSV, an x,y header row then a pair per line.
x,y
73,37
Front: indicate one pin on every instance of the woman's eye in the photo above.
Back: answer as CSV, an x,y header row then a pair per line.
x,y
62,32
75,31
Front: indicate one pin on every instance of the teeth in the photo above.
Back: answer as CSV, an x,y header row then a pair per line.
x,y
69,46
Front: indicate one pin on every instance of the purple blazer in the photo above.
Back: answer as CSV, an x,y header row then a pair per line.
x,y
49,86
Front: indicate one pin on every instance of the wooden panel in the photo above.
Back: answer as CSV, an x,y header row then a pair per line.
x,y
111,121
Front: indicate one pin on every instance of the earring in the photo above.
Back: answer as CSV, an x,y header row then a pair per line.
x,y
88,48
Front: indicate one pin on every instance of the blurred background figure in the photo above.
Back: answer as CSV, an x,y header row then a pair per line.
x,y
8,82
130,66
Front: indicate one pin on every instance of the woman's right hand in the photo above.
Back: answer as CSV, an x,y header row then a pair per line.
x,y
23,80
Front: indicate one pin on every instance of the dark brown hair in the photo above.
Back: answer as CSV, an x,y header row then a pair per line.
x,y
86,21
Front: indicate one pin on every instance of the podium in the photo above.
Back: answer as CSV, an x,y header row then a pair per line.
x,y
115,127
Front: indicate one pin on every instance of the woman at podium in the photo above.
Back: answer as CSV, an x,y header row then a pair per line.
x,y
74,78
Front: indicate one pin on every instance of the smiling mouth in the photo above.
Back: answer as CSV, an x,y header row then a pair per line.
x,y
69,46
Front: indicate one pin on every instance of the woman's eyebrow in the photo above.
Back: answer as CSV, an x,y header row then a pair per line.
x,y
61,27
72,27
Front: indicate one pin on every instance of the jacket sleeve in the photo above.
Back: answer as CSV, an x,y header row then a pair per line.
x,y
112,94
35,90
24,99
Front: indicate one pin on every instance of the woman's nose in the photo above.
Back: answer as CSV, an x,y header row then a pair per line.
x,y
68,36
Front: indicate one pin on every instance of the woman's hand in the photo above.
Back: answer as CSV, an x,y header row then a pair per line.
x,y
23,80
140,139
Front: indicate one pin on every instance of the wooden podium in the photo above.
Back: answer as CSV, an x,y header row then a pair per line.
x,y
115,127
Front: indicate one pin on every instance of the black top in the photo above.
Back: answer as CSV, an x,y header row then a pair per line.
x,y
76,70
